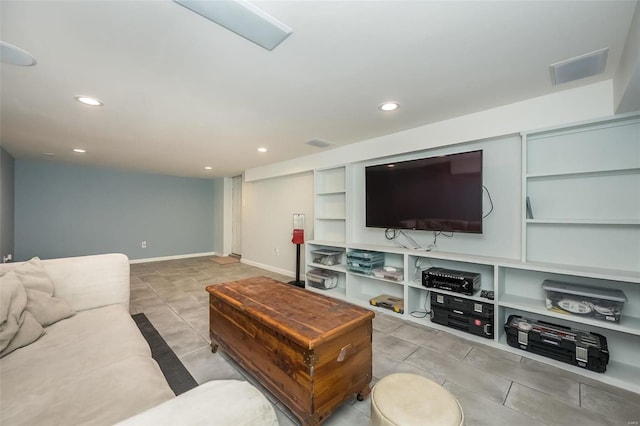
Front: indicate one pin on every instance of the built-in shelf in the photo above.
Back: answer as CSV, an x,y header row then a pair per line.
x,y
627,324
475,297
583,174
368,305
575,270
503,276
330,212
337,268
582,183
331,192
327,243
373,277
618,373
603,222
419,286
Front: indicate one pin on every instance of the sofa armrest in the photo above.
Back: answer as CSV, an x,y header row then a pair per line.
x,y
219,402
87,282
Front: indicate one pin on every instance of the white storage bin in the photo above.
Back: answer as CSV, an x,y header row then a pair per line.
x,y
326,257
599,303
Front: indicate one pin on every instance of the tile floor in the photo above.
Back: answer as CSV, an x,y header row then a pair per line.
x,y
494,387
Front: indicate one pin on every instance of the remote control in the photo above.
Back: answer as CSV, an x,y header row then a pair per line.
x,y
487,294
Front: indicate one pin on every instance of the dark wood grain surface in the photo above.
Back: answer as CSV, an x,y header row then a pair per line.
x,y
311,351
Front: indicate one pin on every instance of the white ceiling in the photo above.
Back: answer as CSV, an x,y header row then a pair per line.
x,y
181,92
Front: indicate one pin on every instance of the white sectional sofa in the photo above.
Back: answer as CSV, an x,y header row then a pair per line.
x,y
93,367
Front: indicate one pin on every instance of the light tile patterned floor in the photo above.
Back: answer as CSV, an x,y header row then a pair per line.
x,y
494,387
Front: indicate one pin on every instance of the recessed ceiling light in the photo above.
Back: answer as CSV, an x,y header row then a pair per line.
x,y
391,165
48,154
208,168
389,106
88,100
262,149
79,150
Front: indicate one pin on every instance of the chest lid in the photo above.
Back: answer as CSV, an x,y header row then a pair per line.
x,y
303,316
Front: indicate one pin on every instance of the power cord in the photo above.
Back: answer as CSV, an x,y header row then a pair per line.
x,y
417,278
490,201
392,234
411,240
422,314
434,245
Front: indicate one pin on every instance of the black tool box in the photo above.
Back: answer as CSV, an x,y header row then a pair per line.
x,y
463,314
584,349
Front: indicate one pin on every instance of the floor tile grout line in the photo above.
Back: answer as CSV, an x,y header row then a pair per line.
x,y
276,404
506,395
580,395
392,327
179,316
412,352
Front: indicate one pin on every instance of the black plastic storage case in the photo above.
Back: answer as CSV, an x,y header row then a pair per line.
x,y
463,314
584,349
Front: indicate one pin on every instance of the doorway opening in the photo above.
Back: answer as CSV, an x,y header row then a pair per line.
x,y
236,216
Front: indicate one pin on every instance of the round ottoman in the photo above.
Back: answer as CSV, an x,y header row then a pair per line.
x,y
404,399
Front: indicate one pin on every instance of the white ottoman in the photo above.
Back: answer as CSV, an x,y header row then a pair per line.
x,y
404,399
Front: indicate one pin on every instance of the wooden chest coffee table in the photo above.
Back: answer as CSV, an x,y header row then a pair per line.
x,y
311,351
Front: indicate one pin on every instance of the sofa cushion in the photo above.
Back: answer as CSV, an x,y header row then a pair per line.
x,y
18,327
93,368
87,282
39,287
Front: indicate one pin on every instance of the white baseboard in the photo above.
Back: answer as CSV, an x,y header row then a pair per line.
x,y
178,256
284,272
269,268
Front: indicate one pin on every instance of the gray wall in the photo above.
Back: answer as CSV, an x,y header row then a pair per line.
x,y
69,210
6,203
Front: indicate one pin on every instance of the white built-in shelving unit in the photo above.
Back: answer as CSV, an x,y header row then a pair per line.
x,y
330,200
583,185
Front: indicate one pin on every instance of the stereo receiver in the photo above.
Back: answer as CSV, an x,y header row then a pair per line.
x,y
447,279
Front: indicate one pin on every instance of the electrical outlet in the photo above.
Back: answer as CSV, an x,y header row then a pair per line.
x,y
276,251
7,258
144,244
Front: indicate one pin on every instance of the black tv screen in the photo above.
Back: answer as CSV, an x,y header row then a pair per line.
x,y
433,194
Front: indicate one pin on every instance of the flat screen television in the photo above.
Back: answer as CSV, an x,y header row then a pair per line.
x,y
441,193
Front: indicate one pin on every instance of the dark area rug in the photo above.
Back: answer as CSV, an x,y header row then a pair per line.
x,y
176,374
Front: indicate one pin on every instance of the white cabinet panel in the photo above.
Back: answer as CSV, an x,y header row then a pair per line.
x,y
608,146
605,246
597,197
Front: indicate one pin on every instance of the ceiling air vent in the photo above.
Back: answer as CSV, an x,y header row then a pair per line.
x,y
319,143
586,65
